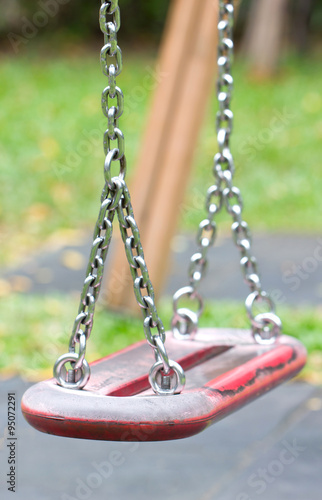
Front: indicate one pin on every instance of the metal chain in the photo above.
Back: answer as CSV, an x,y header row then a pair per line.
x,y
266,326
159,377
166,376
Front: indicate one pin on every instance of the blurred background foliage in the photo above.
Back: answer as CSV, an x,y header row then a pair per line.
x,y
49,110
50,86
141,20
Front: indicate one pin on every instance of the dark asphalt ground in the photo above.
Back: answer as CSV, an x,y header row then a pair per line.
x,y
269,450
290,267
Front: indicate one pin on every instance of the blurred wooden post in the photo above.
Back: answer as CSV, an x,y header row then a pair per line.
x,y
185,75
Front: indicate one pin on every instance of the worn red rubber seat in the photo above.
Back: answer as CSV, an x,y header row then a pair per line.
x,y
225,370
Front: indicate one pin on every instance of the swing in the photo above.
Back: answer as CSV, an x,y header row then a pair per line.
x,y
121,397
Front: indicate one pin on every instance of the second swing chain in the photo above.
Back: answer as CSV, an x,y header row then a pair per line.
x,y
266,326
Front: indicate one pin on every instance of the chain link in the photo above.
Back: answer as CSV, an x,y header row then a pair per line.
x,y
166,376
159,376
223,193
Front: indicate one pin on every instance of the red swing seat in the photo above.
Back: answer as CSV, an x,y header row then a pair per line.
x,y
225,370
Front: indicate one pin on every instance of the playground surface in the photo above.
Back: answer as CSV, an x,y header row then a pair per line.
x,y
272,448
290,267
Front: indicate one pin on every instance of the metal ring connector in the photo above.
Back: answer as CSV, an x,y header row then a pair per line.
x,y
258,297
192,294
155,373
269,330
60,372
184,324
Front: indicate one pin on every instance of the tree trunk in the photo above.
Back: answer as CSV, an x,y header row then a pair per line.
x,y
264,35
301,22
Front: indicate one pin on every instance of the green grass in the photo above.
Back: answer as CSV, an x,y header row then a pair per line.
x,y
52,173
51,177
276,145
34,331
